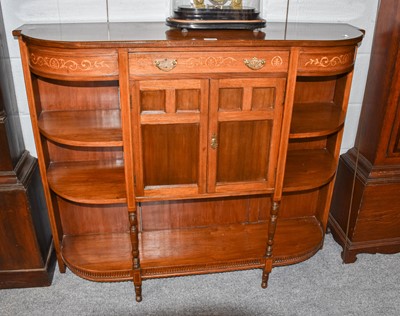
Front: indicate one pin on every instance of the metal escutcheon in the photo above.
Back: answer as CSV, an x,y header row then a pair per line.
x,y
214,141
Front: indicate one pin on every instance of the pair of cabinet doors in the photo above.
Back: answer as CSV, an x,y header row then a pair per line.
x,y
206,136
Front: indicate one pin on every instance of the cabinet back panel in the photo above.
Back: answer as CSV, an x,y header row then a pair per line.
x,y
325,142
170,154
340,90
299,204
205,212
324,201
243,151
308,143
80,219
260,208
67,95
315,89
59,152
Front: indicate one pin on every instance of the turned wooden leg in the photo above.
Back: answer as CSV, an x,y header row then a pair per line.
x,y
138,292
137,277
264,283
270,243
137,280
267,270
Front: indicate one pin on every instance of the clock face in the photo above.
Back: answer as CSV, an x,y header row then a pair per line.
x,y
218,2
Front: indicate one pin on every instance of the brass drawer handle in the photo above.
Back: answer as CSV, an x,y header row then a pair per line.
x,y
166,64
254,63
214,141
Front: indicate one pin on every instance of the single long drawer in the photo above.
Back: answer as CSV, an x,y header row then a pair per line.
x,y
54,62
208,62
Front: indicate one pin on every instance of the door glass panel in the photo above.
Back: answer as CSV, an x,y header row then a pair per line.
x,y
152,100
170,154
263,98
230,99
243,151
187,100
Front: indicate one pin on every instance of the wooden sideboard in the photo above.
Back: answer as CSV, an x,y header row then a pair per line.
x,y
365,213
167,153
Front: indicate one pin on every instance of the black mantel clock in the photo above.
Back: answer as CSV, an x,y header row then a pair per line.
x,y
216,14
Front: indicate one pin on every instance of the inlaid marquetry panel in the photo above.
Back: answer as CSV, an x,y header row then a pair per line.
x,y
326,61
208,62
83,62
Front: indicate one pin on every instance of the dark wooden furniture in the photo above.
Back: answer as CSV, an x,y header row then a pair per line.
x,y
25,238
365,212
168,153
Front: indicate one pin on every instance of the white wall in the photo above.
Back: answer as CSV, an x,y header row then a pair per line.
x,y
360,13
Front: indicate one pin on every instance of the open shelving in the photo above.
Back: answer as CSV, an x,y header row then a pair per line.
x,y
169,155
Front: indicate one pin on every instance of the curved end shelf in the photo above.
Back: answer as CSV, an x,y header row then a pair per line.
x,y
102,258
316,120
88,128
89,182
308,169
296,240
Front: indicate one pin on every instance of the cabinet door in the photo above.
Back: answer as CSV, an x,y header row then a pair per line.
x,y
170,137
244,130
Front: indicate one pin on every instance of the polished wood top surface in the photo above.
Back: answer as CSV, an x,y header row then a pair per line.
x,y
158,34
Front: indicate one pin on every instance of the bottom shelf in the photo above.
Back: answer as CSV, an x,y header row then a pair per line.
x,y
99,257
296,240
167,253
202,250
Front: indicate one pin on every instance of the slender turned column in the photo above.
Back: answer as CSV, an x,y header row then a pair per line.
x,y
137,279
123,62
270,243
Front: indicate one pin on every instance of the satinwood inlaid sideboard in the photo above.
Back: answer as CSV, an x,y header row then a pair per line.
x,y
168,153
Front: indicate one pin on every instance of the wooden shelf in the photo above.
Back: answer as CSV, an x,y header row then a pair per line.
x,y
96,128
107,257
296,240
92,182
223,248
308,169
202,250
316,119
104,257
